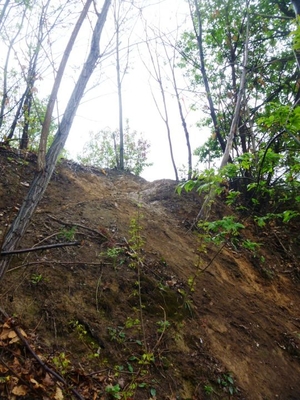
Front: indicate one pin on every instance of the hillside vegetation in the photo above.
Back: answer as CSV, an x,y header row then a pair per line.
x,y
143,305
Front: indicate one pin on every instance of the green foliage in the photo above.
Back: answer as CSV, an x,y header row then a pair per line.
x,y
62,363
114,391
35,120
208,389
278,116
67,234
102,150
251,246
136,240
232,197
146,359
223,229
80,329
209,151
296,35
132,322
117,334
114,253
205,182
36,278
162,326
226,381
264,172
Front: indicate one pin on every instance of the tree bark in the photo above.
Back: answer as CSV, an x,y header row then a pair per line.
x,y
53,95
3,11
120,101
198,33
236,116
5,71
42,178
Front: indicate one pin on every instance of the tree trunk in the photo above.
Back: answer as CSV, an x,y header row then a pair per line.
x,y
198,33
236,116
5,90
184,125
157,76
42,178
2,13
53,95
120,101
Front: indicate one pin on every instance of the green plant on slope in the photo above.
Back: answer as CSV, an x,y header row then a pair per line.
x,y
67,234
226,381
223,229
113,254
117,334
36,278
208,389
136,243
114,391
62,363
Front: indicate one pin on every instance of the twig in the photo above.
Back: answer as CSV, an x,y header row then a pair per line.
x,y
16,374
37,358
48,246
57,263
79,226
213,259
97,291
163,330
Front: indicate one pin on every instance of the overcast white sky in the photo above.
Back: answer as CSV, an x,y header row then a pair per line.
x,y
99,107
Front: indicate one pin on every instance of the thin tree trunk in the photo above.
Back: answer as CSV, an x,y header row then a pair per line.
x,y
120,18
31,78
42,178
165,117
26,124
57,82
120,102
5,72
206,206
198,33
171,62
2,13
236,116
296,4
184,125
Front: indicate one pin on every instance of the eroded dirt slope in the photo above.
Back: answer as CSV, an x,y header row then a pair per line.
x,y
236,333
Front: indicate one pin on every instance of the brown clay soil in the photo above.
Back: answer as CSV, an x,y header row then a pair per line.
x,y
114,318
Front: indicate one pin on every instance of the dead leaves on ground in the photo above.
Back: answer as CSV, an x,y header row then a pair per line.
x,y
21,376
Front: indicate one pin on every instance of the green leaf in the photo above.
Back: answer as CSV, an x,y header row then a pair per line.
x,y
130,368
288,215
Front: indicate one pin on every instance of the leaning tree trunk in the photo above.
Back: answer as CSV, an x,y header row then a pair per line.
x,y
237,111
205,209
199,33
42,178
57,82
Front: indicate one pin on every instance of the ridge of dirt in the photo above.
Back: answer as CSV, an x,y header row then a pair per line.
x,y
237,335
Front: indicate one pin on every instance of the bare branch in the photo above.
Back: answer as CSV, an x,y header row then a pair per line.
x,y
46,247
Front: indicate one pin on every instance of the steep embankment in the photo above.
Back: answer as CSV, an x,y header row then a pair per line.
x,y
116,317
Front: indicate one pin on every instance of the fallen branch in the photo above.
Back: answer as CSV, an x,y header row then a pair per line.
x,y
46,247
79,226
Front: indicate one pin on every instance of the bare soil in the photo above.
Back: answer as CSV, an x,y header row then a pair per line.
x,y
116,318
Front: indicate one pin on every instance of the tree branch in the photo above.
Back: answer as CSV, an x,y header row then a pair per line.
x,y
48,246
